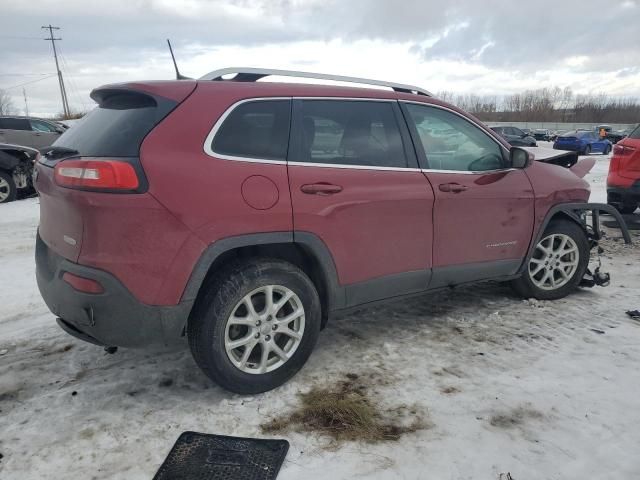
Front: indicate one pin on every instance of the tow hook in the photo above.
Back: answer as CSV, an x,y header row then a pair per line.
x,y
591,279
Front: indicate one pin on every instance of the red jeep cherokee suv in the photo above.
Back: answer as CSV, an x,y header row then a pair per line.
x,y
243,214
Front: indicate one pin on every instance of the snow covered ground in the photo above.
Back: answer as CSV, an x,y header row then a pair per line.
x,y
543,390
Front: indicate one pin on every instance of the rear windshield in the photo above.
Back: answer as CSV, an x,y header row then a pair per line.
x,y
635,134
117,127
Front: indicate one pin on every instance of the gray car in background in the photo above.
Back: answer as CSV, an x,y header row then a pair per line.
x,y
29,131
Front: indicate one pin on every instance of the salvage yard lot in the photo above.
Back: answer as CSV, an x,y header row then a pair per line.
x,y
502,385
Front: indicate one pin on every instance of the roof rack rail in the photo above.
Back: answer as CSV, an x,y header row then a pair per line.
x,y
255,74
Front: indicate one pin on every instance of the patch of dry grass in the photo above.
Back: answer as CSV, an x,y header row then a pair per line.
x,y
346,412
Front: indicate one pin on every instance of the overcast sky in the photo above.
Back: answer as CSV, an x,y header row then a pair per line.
x,y
484,47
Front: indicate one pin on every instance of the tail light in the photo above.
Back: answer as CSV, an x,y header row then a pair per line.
x,y
87,174
82,284
622,150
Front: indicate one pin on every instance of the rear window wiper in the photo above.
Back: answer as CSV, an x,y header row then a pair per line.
x,y
53,152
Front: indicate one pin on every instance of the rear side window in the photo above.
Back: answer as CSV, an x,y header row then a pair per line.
x,y
343,132
635,134
117,127
257,129
15,124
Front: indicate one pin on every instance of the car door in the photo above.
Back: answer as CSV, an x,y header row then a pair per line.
x,y
15,131
355,184
43,133
484,210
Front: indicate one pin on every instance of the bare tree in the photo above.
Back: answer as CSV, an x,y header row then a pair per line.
x,y
6,104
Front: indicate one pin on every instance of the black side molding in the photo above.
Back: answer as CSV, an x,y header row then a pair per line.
x,y
310,242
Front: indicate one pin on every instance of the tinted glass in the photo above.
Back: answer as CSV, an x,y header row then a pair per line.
x,y
516,131
117,127
40,126
452,143
15,124
343,132
257,129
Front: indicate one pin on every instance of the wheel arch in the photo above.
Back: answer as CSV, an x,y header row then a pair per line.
x,y
569,211
557,212
303,249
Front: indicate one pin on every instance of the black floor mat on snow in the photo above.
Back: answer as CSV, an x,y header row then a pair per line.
x,y
200,456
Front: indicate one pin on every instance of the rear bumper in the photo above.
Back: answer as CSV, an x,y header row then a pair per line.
x,y
112,318
617,195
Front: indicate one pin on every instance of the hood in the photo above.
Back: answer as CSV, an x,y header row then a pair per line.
x,y
566,159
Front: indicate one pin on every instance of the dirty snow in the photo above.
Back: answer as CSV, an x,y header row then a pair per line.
x,y
543,390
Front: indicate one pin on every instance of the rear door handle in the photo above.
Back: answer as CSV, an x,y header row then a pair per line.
x,y
452,187
320,189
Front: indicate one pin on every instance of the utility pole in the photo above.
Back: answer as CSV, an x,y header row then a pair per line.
x,y
63,92
26,105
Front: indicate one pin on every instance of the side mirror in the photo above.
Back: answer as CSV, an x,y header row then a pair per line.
x,y
520,158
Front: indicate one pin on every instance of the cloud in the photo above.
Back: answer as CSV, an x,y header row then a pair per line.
x,y
495,46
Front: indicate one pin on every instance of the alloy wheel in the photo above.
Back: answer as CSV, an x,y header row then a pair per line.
x,y
264,329
5,189
554,261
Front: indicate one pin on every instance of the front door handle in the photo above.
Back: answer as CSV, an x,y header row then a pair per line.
x,y
452,187
320,189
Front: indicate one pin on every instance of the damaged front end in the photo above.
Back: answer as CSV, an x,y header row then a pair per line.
x,y
588,216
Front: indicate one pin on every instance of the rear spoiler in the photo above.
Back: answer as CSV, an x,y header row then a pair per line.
x,y
562,158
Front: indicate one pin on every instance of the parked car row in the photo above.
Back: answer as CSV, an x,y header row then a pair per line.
x,y
20,139
519,134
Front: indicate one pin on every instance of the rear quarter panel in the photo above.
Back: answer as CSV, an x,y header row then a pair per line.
x,y
202,192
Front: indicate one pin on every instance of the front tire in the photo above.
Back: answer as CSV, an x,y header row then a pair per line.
x,y
256,326
8,190
587,150
558,263
606,150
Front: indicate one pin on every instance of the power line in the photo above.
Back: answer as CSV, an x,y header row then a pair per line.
x,y
31,81
14,37
63,92
23,74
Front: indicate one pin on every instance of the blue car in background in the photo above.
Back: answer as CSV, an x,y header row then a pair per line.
x,y
582,141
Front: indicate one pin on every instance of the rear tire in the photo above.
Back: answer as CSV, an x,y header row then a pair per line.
x,y
606,150
558,263
8,190
235,310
